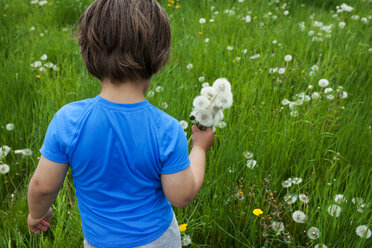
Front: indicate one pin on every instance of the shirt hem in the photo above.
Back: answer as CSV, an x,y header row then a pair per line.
x,y
51,157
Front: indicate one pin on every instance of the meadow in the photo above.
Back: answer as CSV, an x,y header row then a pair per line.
x,y
291,164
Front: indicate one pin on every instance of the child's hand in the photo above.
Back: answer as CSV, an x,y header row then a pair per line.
x,y
203,139
42,224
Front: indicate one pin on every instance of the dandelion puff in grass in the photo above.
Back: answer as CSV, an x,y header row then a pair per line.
x,y
304,198
323,83
320,246
44,57
206,40
201,20
287,238
277,226
330,97
339,199
159,89
281,70
290,198
9,126
184,124
344,95
248,154
313,233
341,25
334,210
285,102
4,150
201,79
201,103
328,90
164,105
230,48
287,183
221,124
150,93
294,113
251,163
299,216
186,240
363,231
189,66
296,180
24,152
4,168
315,95
36,64
288,58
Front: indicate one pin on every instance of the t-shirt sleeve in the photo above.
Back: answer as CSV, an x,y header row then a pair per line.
x,y
176,152
52,148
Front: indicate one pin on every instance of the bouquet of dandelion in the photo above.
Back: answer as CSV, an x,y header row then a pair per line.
x,y
209,106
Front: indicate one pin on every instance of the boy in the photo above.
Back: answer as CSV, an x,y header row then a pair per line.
x,y
129,160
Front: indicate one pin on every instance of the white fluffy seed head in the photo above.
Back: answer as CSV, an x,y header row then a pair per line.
x,y
323,83
222,85
201,103
204,118
209,92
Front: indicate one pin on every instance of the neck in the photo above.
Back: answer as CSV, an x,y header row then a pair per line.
x,y
124,92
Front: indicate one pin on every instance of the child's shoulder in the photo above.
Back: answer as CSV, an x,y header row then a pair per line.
x,y
163,119
73,111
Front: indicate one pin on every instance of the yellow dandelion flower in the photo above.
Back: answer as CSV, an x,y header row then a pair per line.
x,y
170,5
50,4
182,227
37,76
262,103
172,2
271,194
200,33
257,211
4,15
303,71
240,193
178,6
255,17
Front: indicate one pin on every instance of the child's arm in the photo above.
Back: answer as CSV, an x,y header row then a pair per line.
x,y
42,192
182,187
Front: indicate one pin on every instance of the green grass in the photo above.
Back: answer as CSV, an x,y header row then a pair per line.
x,y
327,144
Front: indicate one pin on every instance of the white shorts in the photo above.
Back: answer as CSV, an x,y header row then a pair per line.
x,y
171,238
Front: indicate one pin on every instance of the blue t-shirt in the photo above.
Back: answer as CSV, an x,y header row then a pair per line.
x,y
117,153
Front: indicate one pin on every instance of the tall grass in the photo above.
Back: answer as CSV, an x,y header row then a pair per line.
x,y
327,144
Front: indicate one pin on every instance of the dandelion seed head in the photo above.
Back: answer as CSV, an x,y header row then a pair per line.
x,y
334,210
304,198
201,20
248,154
290,198
204,118
251,163
299,217
277,226
363,231
9,126
189,66
4,168
288,58
339,199
184,124
222,85
201,102
323,83
186,240
313,233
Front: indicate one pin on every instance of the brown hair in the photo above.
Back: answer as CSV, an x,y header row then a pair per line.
x,y
124,39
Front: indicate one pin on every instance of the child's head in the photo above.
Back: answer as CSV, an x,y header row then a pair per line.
x,y
124,40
